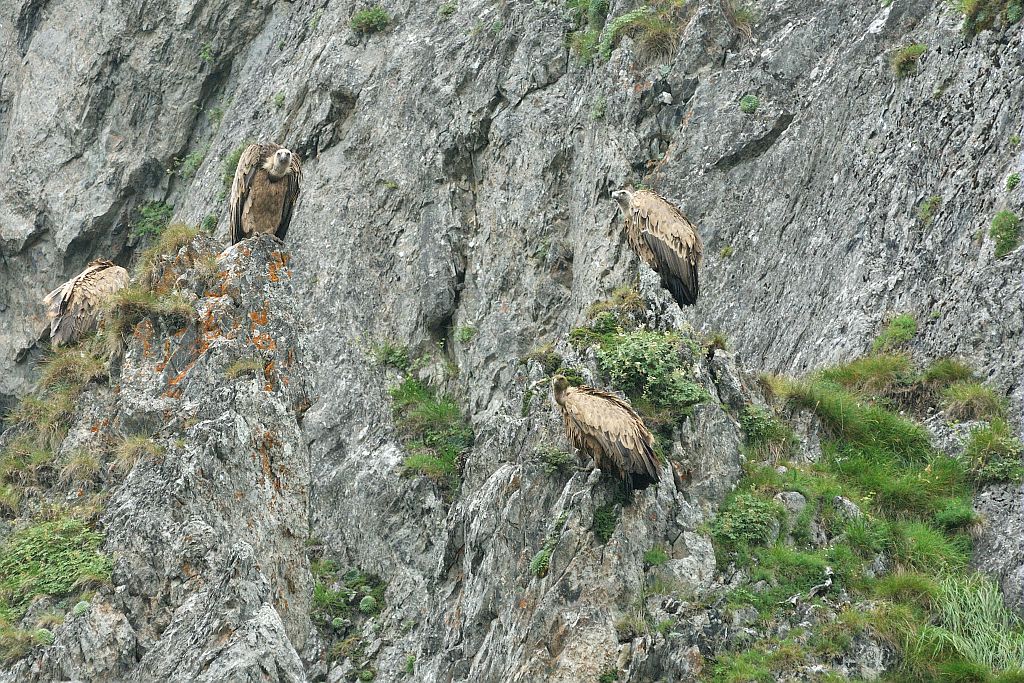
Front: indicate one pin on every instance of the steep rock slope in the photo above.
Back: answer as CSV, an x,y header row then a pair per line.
x,y
207,528
457,176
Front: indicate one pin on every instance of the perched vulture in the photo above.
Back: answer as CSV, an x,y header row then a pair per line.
x,y
264,191
609,430
72,308
664,239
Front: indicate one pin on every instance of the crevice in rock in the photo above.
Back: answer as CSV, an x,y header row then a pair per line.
x,y
28,21
757,147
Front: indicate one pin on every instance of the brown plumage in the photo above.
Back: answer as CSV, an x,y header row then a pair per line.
x,y
608,429
662,236
72,308
263,193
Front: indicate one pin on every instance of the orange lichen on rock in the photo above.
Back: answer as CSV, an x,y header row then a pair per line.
x,y
260,317
264,342
277,266
144,333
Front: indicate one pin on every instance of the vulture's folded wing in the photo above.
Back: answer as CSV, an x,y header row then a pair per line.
x,y
248,164
612,423
290,197
674,244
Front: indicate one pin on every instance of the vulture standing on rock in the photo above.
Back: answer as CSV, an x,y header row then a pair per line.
x,y
609,430
72,308
264,191
664,239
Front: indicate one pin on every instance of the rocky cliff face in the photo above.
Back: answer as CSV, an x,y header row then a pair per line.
x,y
458,166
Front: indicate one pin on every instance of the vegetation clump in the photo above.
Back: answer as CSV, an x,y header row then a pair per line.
x,y
981,15
913,509
899,331
928,208
131,449
766,435
151,219
371,19
392,355
1012,181
655,557
904,62
1005,231
749,104
435,432
50,558
227,173
971,401
746,520
993,453
655,28
133,304
554,460
542,560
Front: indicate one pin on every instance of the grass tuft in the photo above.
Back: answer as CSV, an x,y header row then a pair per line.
x,y
1005,231
904,62
768,437
132,449
993,454
972,401
243,366
151,219
749,104
434,430
371,20
900,331
131,305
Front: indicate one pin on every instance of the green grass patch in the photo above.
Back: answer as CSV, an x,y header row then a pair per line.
x,y
850,419
151,219
972,401
133,304
981,15
993,454
1012,181
1005,231
655,557
392,355
768,437
898,333
434,431
929,207
371,20
746,520
188,166
50,558
905,61
945,371
749,104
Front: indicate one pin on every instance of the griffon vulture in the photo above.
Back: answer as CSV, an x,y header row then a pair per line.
x,y
264,191
664,239
609,430
72,308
